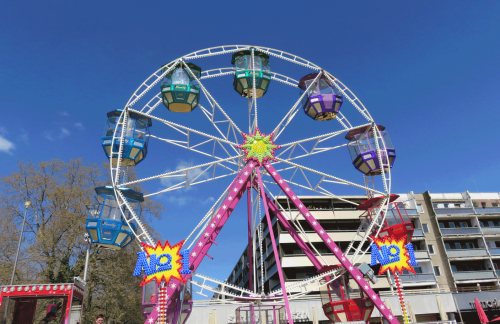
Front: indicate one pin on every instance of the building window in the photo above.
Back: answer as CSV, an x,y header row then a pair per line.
x,y
425,228
431,248
437,272
494,204
420,208
483,204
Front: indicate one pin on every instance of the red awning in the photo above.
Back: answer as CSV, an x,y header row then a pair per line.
x,y
365,205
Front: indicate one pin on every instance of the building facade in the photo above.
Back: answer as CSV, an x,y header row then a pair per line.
x,y
457,247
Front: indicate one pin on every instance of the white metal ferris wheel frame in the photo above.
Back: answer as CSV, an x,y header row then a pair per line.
x,y
233,162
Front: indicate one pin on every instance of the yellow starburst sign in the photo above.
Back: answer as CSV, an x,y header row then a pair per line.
x,y
393,255
162,262
258,147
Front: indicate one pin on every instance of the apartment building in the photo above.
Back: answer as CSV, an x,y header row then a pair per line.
x,y
457,247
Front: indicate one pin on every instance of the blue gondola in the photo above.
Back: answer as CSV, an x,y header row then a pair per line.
x,y
105,223
135,144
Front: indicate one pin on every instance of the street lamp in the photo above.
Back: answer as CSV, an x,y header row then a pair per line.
x,y
26,205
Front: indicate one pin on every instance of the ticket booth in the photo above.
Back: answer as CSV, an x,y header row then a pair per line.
x,y
28,304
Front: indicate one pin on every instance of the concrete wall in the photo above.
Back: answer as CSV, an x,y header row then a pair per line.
x,y
302,311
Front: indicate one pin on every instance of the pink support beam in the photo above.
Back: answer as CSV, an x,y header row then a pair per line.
x,y
275,250
250,246
355,273
289,228
204,243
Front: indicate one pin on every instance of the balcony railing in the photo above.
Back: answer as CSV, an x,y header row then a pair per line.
x,y
495,251
473,275
418,232
460,231
421,254
419,277
411,212
491,230
464,253
454,211
488,210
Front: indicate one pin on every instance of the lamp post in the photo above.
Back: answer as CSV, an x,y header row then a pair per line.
x,y
26,205
87,255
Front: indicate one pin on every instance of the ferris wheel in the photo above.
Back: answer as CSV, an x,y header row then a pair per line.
x,y
285,128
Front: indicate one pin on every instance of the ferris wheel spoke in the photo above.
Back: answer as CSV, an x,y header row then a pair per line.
x,y
314,141
167,174
349,95
130,218
211,99
196,147
183,129
149,84
330,178
230,127
317,189
292,112
192,173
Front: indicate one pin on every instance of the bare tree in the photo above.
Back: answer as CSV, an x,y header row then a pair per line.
x,y
53,248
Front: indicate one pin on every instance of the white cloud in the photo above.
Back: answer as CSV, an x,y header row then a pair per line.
x,y
6,145
178,200
48,135
24,135
64,113
64,132
208,200
79,126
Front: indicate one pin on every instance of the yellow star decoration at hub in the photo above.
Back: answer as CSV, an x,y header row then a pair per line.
x,y
161,262
393,255
258,147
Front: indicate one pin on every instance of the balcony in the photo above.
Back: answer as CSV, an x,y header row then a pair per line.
x,y
488,210
418,232
421,254
461,231
412,212
454,211
491,230
466,253
419,277
495,252
474,275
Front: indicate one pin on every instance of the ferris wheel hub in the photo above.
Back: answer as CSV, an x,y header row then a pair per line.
x,y
258,147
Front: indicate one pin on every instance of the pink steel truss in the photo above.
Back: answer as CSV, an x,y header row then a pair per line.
x,y
241,183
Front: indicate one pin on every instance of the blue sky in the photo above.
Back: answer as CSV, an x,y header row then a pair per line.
x,y
427,70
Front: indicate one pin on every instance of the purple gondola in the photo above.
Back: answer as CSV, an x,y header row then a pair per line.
x,y
363,150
